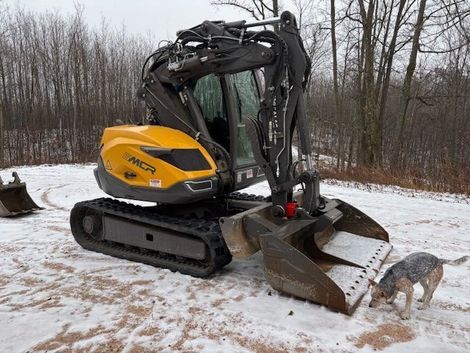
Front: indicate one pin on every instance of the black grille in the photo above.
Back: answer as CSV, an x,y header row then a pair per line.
x,y
186,159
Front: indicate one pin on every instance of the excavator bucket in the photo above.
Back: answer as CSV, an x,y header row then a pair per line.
x,y
326,259
14,199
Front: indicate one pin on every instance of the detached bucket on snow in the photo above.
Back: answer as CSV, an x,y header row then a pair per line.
x,y
14,199
326,259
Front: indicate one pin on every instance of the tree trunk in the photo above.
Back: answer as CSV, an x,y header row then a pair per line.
x,y
406,88
389,62
336,108
371,139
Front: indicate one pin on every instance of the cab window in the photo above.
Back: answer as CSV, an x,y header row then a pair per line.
x,y
247,104
208,93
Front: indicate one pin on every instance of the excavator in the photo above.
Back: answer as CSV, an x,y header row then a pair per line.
x,y
224,101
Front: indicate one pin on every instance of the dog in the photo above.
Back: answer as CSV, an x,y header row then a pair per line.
x,y
419,267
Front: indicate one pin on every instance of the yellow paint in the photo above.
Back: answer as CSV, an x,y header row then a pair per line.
x,y
127,140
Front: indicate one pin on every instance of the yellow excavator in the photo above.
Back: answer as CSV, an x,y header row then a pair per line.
x,y
224,101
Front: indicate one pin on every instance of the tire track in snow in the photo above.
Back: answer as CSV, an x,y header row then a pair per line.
x,y
45,198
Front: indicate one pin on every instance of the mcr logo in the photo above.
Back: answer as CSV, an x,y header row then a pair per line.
x,y
141,164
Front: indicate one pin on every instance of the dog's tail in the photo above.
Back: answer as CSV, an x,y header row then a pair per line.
x,y
459,261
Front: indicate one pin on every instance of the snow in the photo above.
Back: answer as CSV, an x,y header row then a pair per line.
x,y
56,296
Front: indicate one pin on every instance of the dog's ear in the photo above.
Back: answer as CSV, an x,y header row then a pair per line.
x,y
372,282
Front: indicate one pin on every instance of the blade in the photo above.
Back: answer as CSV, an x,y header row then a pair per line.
x,y
366,252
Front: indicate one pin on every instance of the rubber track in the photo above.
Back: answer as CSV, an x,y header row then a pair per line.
x,y
246,197
206,230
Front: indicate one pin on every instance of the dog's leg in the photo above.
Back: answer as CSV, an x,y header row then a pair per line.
x,y
424,284
392,298
433,281
404,285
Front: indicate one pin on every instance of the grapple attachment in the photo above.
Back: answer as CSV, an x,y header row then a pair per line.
x,y
326,259
14,198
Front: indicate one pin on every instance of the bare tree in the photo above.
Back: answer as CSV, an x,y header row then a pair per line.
x,y
258,9
409,76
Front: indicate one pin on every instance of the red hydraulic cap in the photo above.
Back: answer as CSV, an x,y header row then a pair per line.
x,y
291,208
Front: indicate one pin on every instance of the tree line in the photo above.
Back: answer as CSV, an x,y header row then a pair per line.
x,y
388,95
61,83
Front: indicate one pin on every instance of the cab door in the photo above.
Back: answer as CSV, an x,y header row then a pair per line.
x,y
224,101
244,91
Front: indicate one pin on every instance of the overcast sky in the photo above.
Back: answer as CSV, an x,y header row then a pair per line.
x,y
161,17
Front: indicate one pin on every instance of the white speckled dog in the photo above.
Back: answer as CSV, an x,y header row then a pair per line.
x,y
418,267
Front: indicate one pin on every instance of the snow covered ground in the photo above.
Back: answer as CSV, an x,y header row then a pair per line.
x,y
55,296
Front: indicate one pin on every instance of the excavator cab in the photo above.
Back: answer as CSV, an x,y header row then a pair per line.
x,y
225,102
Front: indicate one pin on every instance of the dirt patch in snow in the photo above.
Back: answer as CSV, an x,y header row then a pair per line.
x,y
453,307
218,302
4,281
57,266
385,335
8,248
250,343
154,331
142,282
31,281
67,339
259,346
21,265
59,229
41,303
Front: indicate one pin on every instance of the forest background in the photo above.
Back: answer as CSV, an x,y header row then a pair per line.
x,y
388,97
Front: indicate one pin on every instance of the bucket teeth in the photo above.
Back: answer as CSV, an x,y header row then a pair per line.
x,y
14,198
368,253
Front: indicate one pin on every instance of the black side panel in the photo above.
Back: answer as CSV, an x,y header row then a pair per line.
x,y
154,238
186,159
